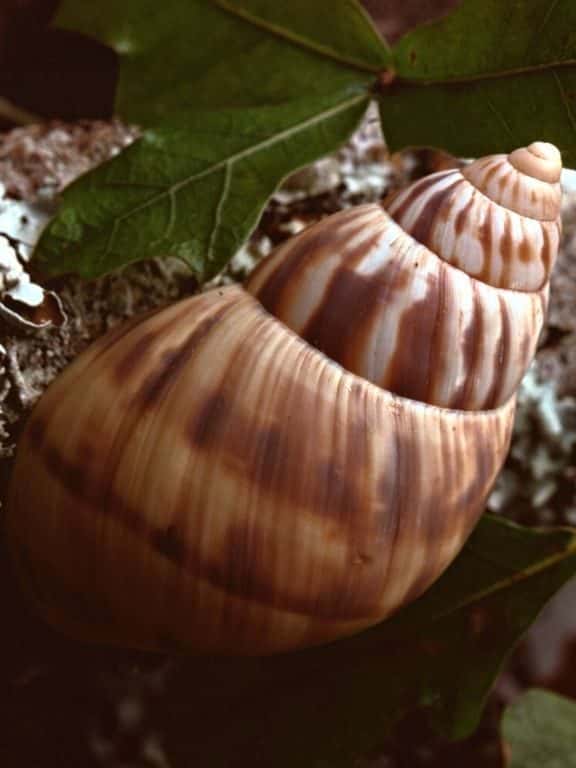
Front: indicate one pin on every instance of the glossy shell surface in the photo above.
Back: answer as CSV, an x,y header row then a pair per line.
x,y
367,294
261,470
441,297
498,219
206,480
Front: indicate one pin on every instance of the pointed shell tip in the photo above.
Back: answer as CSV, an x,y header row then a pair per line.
x,y
540,160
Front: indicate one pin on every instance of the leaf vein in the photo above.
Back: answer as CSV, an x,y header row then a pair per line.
x,y
565,101
546,18
509,581
218,212
270,141
502,74
110,241
499,116
294,38
171,216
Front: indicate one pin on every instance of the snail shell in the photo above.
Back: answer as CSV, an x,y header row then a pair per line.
x,y
205,478
452,322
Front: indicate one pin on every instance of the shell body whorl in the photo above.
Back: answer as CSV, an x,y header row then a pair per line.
x,y
305,503
258,470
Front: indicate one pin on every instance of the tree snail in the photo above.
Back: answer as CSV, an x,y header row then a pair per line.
x,y
260,469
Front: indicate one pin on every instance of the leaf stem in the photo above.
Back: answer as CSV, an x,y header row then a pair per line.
x,y
16,114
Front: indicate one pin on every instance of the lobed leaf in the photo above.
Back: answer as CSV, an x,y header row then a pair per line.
x,y
234,96
193,187
177,56
490,77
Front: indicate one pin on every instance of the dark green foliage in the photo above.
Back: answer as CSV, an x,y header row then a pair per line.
x,y
491,77
327,706
540,730
193,187
290,81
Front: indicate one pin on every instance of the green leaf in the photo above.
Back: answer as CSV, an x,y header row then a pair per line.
x,y
481,608
540,731
192,188
493,76
328,706
235,96
178,55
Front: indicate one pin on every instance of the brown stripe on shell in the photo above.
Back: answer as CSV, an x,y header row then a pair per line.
x,y
408,483
271,460
285,249
486,466
398,211
76,479
486,240
209,419
244,569
506,245
461,221
237,576
130,362
435,209
502,358
272,447
516,188
273,456
525,348
317,241
134,356
158,383
349,300
434,524
525,250
491,170
410,369
154,387
170,543
438,351
472,343
391,492
121,331
357,589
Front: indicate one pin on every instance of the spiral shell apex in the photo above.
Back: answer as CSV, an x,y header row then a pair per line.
x,y
450,276
263,469
498,219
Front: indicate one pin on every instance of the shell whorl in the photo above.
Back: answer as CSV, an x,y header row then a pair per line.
x,y
440,298
498,219
206,480
370,297
540,160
